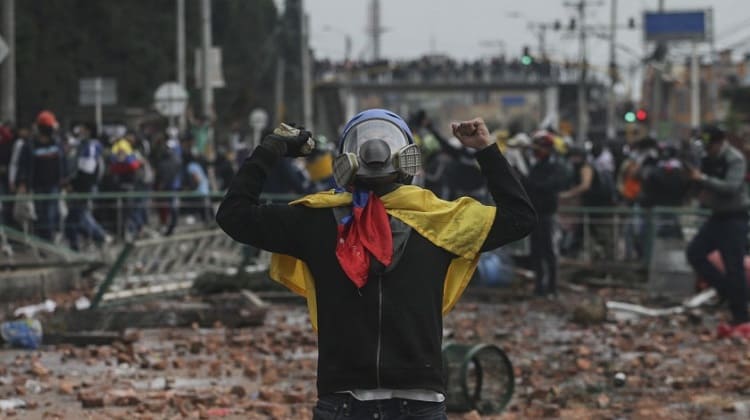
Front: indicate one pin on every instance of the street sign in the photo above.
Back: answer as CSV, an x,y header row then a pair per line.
x,y
215,72
4,49
513,100
97,90
258,121
683,25
170,99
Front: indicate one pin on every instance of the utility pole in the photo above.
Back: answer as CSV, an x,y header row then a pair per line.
x,y
583,117
541,36
583,108
611,124
307,102
375,30
695,86
657,89
8,66
181,78
208,93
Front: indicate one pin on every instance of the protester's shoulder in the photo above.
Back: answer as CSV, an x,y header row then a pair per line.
x,y
734,155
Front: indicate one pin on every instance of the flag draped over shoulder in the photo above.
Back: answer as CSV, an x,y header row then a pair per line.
x,y
460,227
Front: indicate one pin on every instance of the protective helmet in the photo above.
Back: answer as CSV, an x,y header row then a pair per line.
x,y
47,119
376,143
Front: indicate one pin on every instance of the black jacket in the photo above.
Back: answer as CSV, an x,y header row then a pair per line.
x,y
545,180
387,334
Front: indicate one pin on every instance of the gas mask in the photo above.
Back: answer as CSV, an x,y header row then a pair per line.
x,y
376,145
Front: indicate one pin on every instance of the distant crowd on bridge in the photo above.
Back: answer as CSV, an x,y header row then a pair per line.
x,y
441,69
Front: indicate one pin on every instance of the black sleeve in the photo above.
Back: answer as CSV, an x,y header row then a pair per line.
x,y
273,227
515,217
547,185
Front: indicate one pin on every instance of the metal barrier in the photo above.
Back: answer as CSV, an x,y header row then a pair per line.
x,y
615,239
127,215
37,251
622,234
170,265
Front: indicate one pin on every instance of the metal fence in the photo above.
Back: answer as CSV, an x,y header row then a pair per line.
x,y
123,215
625,235
587,235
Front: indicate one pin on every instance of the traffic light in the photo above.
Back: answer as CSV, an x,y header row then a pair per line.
x,y
641,115
526,58
630,117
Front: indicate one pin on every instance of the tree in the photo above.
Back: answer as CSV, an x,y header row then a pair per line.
x,y
61,41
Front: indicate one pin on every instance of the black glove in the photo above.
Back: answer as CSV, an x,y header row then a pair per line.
x,y
287,145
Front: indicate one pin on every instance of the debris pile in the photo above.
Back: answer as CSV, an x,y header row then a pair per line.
x,y
569,362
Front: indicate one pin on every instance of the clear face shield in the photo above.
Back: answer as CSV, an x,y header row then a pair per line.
x,y
375,149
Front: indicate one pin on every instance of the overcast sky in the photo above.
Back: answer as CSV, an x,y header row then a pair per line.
x,y
463,28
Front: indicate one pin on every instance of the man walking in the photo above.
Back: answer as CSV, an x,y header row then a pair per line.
x,y
41,170
722,183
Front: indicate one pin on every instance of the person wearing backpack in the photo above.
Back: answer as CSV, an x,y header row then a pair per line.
x,y
41,170
596,188
88,168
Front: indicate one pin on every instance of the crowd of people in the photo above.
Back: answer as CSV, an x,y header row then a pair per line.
x,y
436,68
52,171
599,177
47,162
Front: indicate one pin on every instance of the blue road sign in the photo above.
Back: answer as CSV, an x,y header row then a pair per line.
x,y
688,25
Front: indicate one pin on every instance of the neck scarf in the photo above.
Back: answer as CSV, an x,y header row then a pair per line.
x,y
365,232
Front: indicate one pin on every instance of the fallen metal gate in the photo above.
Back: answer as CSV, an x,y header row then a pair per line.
x,y
170,265
22,250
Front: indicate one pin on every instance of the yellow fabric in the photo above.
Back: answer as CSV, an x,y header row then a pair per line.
x,y
122,146
460,227
321,167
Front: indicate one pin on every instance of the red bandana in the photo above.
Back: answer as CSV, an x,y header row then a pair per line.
x,y
366,231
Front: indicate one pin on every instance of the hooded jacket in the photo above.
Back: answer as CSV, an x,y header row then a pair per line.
x,y
388,334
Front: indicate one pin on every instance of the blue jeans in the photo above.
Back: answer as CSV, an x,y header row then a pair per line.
x,y
80,220
344,406
728,235
47,213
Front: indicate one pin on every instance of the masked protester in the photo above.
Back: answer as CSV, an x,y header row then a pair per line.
x,y
379,262
41,170
721,180
545,180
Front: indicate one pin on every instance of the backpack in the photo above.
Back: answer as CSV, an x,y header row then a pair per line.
x,y
603,190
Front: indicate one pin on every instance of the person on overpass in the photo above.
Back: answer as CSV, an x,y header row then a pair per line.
x,y
380,261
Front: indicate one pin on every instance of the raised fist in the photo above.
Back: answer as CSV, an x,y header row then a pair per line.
x,y
472,133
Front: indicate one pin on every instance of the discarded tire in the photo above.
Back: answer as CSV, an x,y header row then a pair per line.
x,y
478,377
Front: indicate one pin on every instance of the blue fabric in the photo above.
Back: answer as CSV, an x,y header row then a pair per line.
x,y
25,333
48,214
81,221
360,198
196,170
